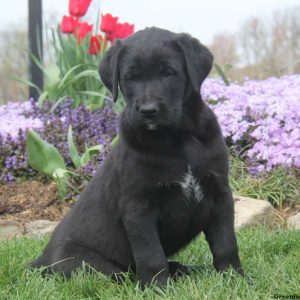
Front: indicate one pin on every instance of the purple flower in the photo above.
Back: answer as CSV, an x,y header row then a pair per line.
x,y
12,116
261,117
264,115
89,128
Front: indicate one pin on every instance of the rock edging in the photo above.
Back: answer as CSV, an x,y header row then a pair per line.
x,y
248,212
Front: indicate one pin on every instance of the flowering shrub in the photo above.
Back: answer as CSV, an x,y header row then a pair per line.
x,y
89,128
13,118
262,116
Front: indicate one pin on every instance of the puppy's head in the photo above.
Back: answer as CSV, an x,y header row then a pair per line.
x,y
157,72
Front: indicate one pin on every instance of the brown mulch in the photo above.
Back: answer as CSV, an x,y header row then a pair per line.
x,y
31,200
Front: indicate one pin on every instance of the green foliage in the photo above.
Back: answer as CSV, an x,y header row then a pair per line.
x,y
43,156
74,73
119,106
270,258
73,149
46,159
277,186
24,81
87,155
222,72
115,140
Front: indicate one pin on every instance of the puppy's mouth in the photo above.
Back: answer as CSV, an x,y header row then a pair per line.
x,y
151,125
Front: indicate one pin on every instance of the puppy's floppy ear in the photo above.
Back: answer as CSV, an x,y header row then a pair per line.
x,y
198,59
109,69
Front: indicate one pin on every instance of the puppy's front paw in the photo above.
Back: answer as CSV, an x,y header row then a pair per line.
x,y
177,269
157,276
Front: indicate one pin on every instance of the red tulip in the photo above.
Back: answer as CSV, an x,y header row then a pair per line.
x,y
68,24
123,30
82,29
108,23
110,36
95,44
78,8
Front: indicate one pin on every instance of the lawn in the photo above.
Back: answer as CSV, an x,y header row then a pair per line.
x,y
270,257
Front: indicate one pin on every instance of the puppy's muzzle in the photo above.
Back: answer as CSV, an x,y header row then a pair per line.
x,y
149,111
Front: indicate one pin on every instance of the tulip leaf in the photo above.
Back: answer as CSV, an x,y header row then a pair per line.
x,y
227,67
60,177
69,73
57,103
222,74
72,149
42,98
89,153
115,141
87,73
60,173
24,81
52,75
43,156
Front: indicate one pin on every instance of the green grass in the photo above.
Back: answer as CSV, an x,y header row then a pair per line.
x,y
270,258
279,186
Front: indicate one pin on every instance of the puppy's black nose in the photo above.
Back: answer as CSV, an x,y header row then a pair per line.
x,y
149,110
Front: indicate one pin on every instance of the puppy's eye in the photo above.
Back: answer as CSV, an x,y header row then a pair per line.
x,y
130,76
167,71
132,73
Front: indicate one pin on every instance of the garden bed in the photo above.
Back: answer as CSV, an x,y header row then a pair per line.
x,y
31,200
260,121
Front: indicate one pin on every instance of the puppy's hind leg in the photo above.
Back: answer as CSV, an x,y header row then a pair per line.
x,y
89,259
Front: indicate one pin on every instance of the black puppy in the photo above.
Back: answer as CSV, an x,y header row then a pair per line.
x,y
167,179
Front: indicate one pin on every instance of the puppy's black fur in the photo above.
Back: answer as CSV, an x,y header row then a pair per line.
x,y
167,179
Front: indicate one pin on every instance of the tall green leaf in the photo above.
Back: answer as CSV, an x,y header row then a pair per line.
x,y
115,141
43,156
24,81
67,76
89,153
222,73
72,149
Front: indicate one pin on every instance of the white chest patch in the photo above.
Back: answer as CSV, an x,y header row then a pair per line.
x,y
190,186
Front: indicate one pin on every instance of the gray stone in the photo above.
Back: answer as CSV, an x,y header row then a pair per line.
x,y
39,228
249,211
9,230
293,222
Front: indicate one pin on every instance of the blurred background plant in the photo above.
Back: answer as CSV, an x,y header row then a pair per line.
x,y
259,49
262,47
72,70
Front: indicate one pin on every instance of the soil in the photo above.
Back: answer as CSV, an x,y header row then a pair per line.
x,y
31,200
34,200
